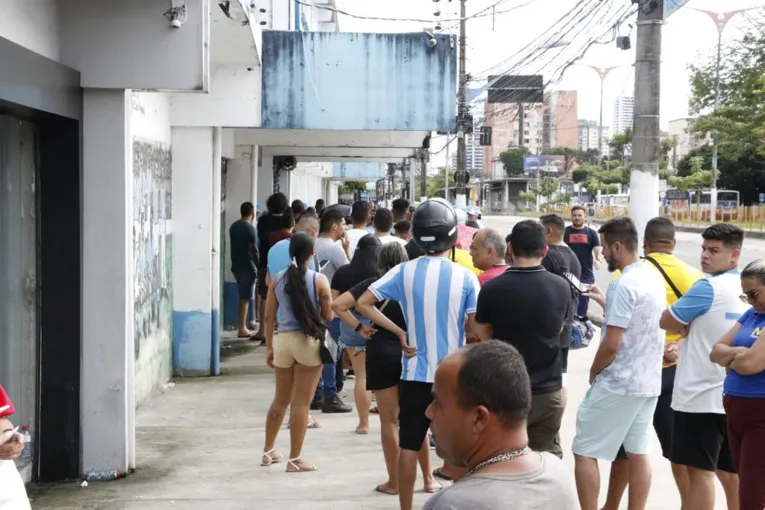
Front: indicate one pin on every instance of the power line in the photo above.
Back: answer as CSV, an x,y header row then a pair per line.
x,y
416,20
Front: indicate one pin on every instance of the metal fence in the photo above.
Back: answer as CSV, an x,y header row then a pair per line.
x,y
747,217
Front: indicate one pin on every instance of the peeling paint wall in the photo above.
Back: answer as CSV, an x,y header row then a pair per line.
x,y
152,242
346,81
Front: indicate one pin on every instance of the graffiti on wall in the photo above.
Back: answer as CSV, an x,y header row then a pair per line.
x,y
152,252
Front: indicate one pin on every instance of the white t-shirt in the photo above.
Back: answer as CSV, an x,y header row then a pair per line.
x,y
712,306
13,494
635,302
354,236
391,239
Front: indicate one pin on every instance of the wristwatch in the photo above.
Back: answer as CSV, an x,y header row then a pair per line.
x,y
358,328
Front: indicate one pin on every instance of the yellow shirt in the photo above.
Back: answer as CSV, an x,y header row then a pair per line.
x,y
681,274
463,258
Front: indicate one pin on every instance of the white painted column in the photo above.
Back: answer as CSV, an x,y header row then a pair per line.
x,y
241,186
217,161
192,150
265,180
107,401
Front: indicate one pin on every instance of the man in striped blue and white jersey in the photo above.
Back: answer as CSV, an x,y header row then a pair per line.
x,y
439,301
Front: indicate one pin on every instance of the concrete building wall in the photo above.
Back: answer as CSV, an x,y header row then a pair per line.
x,y
131,44
307,181
152,241
33,24
564,119
233,101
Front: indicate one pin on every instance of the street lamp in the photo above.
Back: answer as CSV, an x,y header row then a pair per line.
x,y
602,73
720,19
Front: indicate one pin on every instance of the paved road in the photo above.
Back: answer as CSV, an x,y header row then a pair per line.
x,y
688,248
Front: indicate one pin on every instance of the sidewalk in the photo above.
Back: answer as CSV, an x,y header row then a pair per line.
x,y
199,445
195,456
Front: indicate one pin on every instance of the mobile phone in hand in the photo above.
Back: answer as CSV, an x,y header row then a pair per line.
x,y
576,283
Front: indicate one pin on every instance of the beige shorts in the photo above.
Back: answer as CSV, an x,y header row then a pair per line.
x,y
295,347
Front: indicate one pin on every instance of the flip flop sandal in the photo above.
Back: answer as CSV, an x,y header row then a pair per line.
x,y
270,460
374,410
291,462
432,490
438,474
385,490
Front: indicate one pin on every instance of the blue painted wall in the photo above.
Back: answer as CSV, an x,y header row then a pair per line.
x,y
344,81
360,171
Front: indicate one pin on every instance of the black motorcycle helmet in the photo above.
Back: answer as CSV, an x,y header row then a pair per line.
x,y
434,226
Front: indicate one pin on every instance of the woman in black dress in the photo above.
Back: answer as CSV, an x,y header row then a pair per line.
x,y
383,368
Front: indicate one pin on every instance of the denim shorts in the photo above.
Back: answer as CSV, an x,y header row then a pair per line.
x,y
351,339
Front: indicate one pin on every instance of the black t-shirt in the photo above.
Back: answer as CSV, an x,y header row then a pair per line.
x,y
582,241
560,260
413,250
527,308
346,277
267,224
242,235
392,311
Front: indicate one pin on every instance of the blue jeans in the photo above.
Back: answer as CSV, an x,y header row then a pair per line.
x,y
329,373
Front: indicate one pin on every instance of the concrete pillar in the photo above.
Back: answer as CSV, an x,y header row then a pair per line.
x,y
505,196
107,405
195,331
265,180
241,186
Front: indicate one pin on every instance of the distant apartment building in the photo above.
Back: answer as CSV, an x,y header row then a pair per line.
x,y
678,130
624,109
588,136
545,125
474,153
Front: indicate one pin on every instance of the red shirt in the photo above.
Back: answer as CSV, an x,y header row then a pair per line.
x,y
5,401
491,273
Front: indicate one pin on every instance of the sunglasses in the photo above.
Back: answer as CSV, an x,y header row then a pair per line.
x,y
749,297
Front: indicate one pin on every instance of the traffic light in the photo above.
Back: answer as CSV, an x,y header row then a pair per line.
x,y
485,135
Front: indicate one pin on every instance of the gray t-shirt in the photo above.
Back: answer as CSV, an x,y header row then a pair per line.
x,y
551,486
331,256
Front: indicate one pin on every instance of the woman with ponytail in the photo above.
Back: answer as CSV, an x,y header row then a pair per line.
x,y
304,302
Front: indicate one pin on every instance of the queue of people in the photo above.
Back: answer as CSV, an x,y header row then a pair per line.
x,y
678,355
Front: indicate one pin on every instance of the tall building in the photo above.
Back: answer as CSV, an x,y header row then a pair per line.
x,y
545,125
473,152
624,107
560,123
588,136
685,141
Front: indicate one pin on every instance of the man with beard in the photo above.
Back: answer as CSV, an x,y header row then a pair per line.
x,y
626,372
585,243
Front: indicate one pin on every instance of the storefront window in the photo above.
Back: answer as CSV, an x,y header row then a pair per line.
x,y
18,268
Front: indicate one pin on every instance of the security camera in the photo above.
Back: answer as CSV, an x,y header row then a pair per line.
x,y
432,42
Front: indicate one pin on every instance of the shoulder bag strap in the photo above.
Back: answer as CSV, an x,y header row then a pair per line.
x,y
666,276
385,303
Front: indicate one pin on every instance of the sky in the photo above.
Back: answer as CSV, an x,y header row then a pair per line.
x,y
688,37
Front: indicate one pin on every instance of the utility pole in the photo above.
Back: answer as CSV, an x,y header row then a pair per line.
x,y
644,177
423,175
462,115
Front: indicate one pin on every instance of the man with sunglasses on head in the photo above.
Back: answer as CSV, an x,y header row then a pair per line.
x,y
703,315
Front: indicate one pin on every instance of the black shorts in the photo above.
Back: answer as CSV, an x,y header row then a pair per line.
x,y
663,416
262,287
245,285
413,399
383,364
700,441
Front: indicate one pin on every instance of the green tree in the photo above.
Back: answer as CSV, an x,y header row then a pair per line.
x,y
349,187
738,122
697,179
548,188
512,160
436,183
667,146
618,144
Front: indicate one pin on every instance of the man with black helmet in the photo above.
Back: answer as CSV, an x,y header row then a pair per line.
x,y
439,299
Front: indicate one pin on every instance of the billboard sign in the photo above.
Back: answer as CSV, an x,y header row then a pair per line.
x,y
516,89
671,6
552,166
